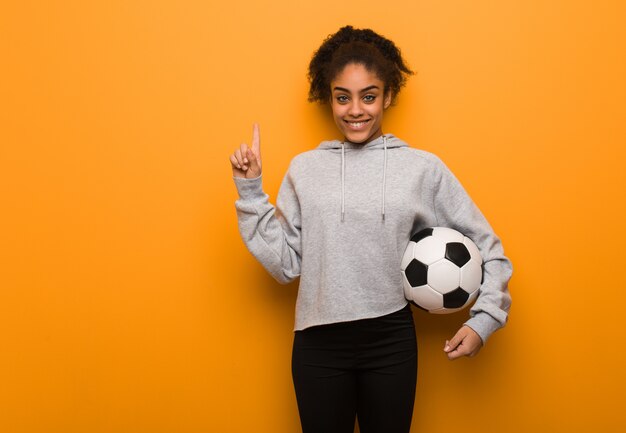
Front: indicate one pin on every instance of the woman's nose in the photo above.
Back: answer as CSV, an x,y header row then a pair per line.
x,y
355,109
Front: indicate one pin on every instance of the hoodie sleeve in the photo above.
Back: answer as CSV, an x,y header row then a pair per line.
x,y
271,234
455,209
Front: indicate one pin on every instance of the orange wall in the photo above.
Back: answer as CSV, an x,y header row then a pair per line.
x,y
128,302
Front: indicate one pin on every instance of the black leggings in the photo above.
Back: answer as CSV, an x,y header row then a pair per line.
x,y
365,369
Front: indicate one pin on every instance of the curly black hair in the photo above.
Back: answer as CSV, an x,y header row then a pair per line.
x,y
361,46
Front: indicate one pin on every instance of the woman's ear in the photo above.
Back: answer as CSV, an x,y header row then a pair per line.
x,y
387,100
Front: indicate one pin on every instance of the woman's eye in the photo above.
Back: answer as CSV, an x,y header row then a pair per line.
x,y
342,98
369,98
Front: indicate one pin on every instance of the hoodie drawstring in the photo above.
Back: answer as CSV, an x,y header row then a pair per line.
x,y
384,172
343,178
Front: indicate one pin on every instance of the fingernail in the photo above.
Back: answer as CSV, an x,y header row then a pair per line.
x,y
245,160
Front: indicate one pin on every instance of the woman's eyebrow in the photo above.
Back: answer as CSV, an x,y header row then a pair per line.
x,y
343,89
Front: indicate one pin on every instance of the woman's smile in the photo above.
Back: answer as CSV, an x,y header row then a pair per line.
x,y
357,125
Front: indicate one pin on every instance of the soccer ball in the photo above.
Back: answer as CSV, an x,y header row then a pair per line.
x,y
442,270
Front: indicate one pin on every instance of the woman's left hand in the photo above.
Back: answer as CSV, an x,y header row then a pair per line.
x,y
466,342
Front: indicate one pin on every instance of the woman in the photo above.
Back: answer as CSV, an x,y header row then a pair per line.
x,y
345,212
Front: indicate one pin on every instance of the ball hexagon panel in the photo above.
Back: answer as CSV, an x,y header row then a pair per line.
x,y
429,299
455,299
429,250
457,253
416,273
471,276
447,235
444,276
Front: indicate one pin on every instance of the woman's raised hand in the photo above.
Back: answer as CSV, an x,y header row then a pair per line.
x,y
246,161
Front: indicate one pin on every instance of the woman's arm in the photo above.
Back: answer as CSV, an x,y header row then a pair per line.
x,y
455,209
271,234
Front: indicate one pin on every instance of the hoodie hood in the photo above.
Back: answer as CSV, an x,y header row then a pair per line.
x,y
384,142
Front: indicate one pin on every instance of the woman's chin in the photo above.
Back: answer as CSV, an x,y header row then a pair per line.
x,y
360,137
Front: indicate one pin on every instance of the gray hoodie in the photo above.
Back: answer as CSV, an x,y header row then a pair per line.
x,y
344,216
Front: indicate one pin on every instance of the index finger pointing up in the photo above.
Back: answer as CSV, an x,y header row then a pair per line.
x,y
256,139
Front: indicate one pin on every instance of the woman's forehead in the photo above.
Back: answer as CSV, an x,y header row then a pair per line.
x,y
356,77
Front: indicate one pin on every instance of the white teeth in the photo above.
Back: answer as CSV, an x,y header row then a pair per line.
x,y
356,124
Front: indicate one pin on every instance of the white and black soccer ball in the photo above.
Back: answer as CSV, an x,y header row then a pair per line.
x,y
442,270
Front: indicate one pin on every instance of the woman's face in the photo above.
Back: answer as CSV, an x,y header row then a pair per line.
x,y
358,102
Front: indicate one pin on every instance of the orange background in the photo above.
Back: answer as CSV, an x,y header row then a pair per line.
x,y
128,302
